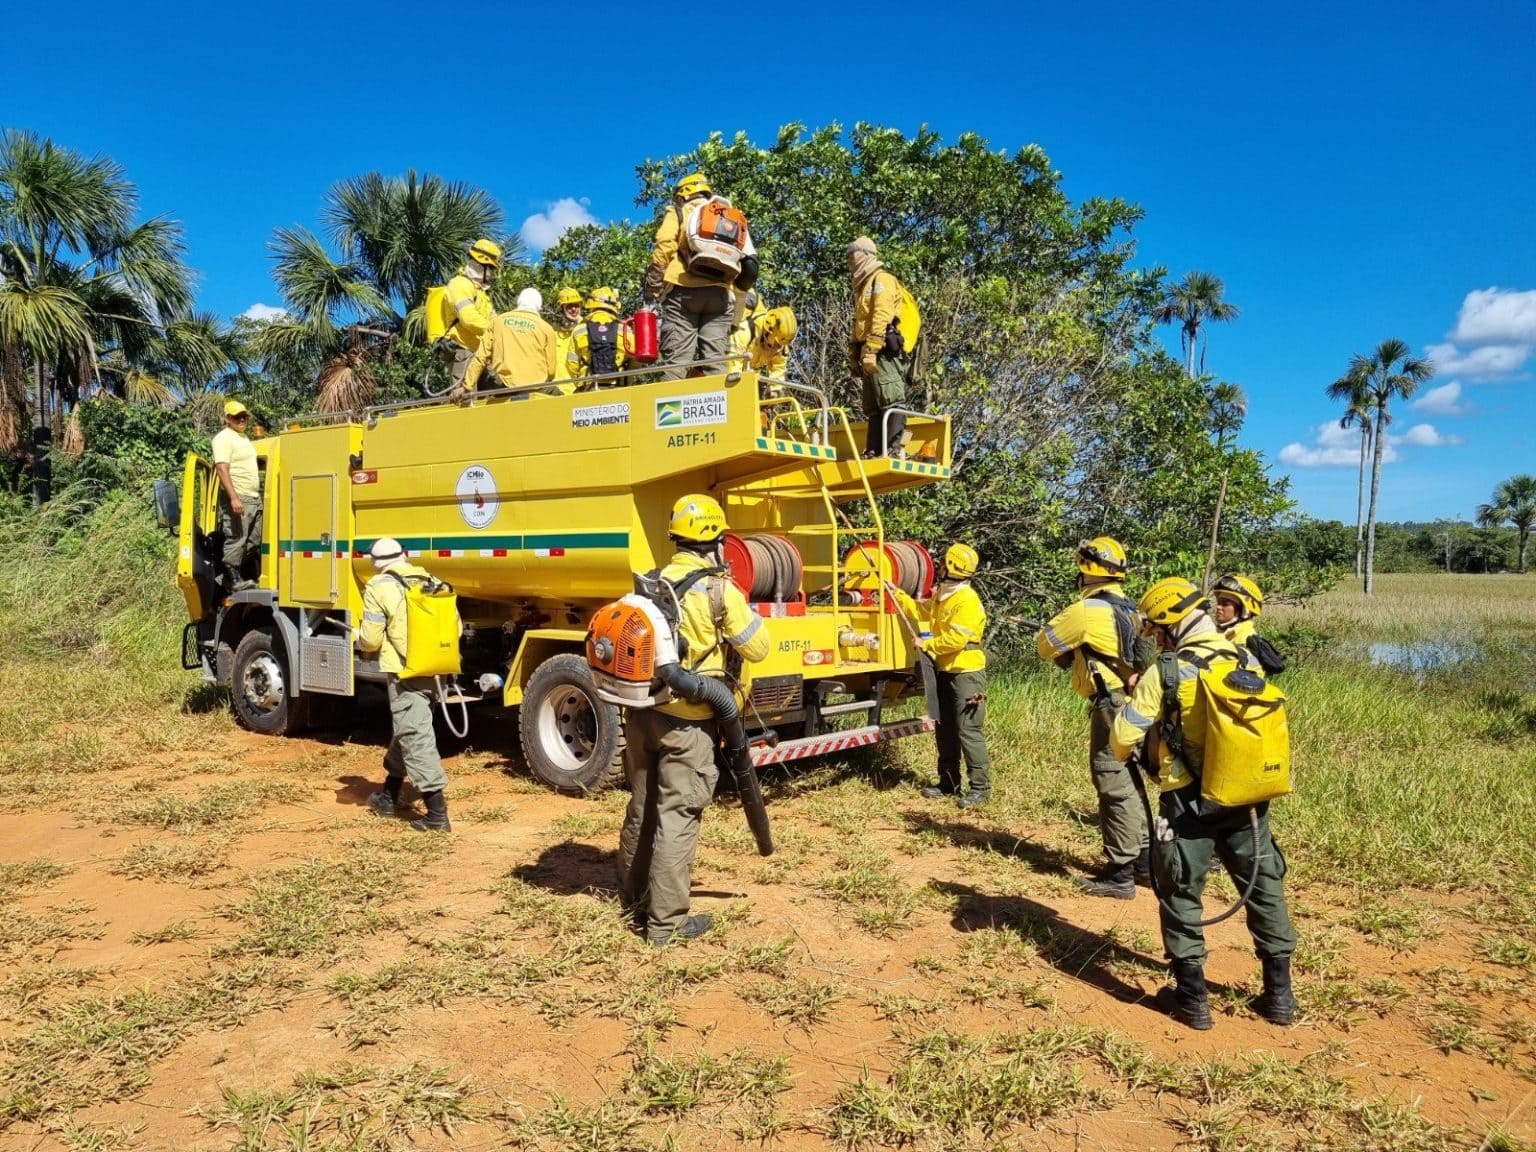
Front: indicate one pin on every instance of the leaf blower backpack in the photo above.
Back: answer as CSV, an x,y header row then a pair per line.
x,y
715,239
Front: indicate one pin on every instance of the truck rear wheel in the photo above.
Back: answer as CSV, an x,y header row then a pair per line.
x,y
263,697
571,739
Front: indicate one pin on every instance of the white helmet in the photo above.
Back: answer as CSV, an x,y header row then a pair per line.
x,y
386,553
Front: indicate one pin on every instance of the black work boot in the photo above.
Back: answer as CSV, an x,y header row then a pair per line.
x,y
1187,1001
1141,868
436,819
691,929
937,791
1277,1003
385,801
974,799
1113,881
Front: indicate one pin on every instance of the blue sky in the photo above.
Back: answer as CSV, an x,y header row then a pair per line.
x,y
1352,170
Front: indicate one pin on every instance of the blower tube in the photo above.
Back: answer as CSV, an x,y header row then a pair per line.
x,y
711,690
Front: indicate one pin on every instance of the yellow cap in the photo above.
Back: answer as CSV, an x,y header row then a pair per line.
x,y
234,408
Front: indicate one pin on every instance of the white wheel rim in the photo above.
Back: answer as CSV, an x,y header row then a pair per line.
x,y
261,684
567,728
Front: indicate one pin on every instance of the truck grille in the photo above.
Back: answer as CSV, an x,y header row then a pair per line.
x,y
774,694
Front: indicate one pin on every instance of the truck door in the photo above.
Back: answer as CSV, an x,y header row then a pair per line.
x,y
196,536
311,540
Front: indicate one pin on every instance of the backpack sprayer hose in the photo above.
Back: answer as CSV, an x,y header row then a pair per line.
x,y
1134,767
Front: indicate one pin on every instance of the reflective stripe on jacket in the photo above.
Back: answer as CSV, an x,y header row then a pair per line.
x,y
740,628
470,309
1086,623
958,620
383,629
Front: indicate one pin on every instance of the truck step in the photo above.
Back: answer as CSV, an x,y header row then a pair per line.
x,y
830,742
844,709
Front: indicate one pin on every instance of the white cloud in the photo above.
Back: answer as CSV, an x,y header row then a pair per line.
x,y
1442,401
1480,363
1335,448
263,312
1423,436
542,229
1496,316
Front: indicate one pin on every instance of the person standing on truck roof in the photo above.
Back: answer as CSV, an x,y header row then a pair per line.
x,y
1175,608
878,350
469,308
1239,601
234,459
569,302
412,743
957,620
691,275
669,754
1099,639
519,347
597,345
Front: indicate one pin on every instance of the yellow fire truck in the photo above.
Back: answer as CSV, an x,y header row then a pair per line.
x,y
539,509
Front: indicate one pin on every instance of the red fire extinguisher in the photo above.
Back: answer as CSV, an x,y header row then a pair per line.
x,y
640,337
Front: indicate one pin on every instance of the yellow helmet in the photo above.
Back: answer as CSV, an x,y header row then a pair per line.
x,y
568,296
603,300
778,327
1102,558
1170,600
1244,591
960,561
693,184
698,517
486,252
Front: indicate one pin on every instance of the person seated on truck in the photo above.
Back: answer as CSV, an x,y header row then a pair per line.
x,y
669,754
885,323
1175,609
569,303
1099,638
1239,602
412,744
519,348
957,621
762,338
234,459
597,345
468,305
703,251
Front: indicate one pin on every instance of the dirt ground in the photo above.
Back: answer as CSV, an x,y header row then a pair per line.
x,y
220,948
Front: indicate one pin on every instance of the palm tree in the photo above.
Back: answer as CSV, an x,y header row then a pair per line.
x,y
1357,410
1190,303
1514,500
1387,374
80,282
394,238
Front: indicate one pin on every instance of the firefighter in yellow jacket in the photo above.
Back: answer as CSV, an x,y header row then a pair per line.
x,y
412,744
696,309
597,343
518,348
569,303
669,754
1189,835
1239,601
764,338
876,352
958,621
469,308
1098,638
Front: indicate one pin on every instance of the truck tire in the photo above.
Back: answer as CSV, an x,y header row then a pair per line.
x,y
571,739
263,697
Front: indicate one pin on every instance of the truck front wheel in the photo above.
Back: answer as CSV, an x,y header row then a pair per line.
x,y
264,699
571,739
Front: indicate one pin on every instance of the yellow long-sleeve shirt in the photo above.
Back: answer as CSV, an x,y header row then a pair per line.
x,y
384,629
958,620
519,348
1145,707
875,305
1088,623
739,627
471,310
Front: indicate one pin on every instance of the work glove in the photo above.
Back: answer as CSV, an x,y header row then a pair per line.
x,y
655,281
868,364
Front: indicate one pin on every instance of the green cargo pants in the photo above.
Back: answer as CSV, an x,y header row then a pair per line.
x,y
887,388
242,535
412,744
695,325
961,730
1182,864
670,764
1122,822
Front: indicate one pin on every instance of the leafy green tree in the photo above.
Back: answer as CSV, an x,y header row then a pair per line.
x,y
80,281
1191,303
1387,374
1514,502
